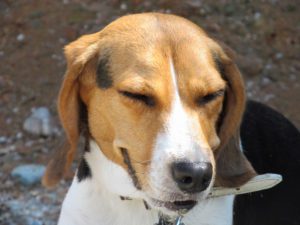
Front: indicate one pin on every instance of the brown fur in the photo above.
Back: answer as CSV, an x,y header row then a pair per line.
x,y
233,169
139,63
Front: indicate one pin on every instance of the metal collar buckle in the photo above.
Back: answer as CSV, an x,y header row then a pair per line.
x,y
165,221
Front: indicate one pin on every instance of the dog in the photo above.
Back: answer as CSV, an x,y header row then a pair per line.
x,y
272,144
159,104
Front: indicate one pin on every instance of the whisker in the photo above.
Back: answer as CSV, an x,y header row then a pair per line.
x,y
140,162
141,173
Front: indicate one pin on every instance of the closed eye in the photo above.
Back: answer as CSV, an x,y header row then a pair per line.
x,y
203,100
146,99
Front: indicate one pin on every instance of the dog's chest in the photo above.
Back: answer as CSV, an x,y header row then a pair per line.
x,y
93,200
86,204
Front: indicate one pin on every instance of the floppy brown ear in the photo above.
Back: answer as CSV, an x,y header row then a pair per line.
x,y
78,53
233,169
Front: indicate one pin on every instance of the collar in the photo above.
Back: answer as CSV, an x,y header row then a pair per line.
x,y
258,183
163,220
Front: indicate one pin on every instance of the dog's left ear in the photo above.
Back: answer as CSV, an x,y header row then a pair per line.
x,y
233,169
70,107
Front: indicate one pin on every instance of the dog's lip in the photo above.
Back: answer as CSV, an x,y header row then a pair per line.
x,y
175,205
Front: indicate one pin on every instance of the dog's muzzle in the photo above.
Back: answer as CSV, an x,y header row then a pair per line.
x,y
178,206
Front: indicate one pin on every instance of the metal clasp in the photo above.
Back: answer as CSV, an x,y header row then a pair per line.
x,y
178,221
164,221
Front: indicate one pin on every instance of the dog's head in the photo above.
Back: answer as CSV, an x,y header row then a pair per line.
x,y
162,100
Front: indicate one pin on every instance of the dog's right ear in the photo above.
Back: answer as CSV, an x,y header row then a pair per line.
x,y
77,54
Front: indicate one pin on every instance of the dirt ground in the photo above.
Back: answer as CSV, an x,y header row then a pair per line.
x,y
265,35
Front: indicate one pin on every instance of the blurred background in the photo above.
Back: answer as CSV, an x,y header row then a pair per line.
x,y
265,35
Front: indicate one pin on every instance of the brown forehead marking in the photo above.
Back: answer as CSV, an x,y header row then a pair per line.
x,y
103,78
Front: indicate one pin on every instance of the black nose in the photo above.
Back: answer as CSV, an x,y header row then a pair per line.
x,y
192,177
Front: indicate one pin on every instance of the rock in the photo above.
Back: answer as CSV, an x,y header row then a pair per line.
x,y
28,174
250,66
19,135
40,122
7,149
31,221
257,16
194,3
33,125
292,77
213,27
258,21
3,139
15,110
279,55
123,6
268,97
8,121
230,9
14,206
20,37
265,81
268,67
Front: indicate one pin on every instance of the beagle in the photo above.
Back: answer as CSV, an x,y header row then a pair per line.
x,y
159,104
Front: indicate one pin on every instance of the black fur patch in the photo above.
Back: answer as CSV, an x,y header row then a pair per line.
x,y
272,144
103,77
125,198
146,205
221,69
84,126
131,170
222,114
84,171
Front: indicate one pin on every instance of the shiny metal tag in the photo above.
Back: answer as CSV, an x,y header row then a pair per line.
x,y
165,221
178,221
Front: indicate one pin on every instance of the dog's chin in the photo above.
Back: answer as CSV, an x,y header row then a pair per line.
x,y
174,207
176,204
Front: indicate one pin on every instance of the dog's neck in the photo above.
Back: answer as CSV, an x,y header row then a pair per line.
x,y
95,199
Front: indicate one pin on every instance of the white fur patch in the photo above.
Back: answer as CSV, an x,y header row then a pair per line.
x,y
216,211
178,140
109,175
95,200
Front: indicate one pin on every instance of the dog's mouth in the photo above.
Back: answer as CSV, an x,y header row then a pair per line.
x,y
175,205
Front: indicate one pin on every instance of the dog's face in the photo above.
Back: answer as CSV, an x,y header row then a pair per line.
x,y
163,101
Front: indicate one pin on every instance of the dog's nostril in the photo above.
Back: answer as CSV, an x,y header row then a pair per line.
x,y
187,180
192,177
